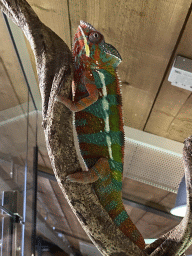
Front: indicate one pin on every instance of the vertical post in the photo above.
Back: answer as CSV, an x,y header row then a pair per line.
x,y
24,208
11,235
39,246
2,235
34,207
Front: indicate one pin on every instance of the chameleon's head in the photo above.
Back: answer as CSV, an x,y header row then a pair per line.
x,y
90,49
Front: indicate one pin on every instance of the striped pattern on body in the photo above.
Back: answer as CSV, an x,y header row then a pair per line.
x,y
100,134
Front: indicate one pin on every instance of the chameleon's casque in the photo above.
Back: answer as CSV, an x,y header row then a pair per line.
x,y
99,124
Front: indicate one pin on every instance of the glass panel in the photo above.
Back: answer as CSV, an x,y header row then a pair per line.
x,y
18,132
32,120
17,140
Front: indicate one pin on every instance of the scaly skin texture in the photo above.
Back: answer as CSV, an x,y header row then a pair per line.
x,y
99,124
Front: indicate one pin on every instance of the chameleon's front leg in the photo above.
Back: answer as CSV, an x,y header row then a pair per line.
x,y
85,102
101,168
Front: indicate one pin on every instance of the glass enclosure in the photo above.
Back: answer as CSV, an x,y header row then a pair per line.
x,y
20,134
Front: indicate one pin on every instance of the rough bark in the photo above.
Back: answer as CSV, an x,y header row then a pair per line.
x,y
54,68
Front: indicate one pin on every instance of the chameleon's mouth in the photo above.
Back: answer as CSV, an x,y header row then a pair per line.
x,y
108,48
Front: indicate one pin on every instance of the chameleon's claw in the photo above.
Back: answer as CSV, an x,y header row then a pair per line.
x,y
67,178
70,178
58,98
73,179
84,177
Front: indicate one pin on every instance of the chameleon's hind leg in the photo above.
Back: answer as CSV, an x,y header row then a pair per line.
x,y
100,170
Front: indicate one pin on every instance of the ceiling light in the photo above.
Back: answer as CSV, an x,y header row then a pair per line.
x,y
181,73
181,200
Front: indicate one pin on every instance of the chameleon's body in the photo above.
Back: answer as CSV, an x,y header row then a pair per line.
x,y
99,123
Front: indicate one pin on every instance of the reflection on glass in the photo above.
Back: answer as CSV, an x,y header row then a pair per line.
x,y
18,137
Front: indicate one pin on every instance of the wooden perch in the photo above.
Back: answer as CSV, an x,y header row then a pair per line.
x,y
55,71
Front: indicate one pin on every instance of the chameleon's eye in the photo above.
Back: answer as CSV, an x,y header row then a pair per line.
x,y
95,37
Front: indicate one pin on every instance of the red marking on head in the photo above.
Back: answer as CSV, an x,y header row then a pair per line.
x,y
97,54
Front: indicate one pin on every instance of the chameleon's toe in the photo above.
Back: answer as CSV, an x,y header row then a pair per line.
x,y
75,177
67,178
58,98
82,177
71,178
